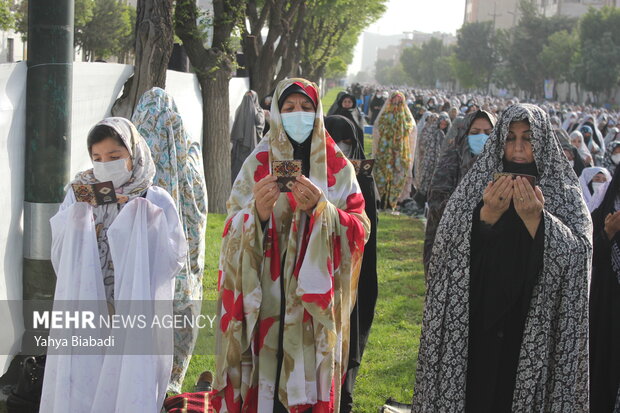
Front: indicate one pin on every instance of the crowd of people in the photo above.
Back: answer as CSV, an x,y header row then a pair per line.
x,y
523,282
521,253
521,211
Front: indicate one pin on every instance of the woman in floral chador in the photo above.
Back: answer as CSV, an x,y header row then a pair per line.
x,y
289,267
393,146
179,170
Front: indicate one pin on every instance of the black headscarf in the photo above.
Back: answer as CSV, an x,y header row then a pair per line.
x,y
348,113
341,128
334,106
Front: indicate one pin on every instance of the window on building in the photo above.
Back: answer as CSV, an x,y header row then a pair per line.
x,y
10,46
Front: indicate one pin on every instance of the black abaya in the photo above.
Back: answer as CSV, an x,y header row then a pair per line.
x,y
604,318
341,128
505,263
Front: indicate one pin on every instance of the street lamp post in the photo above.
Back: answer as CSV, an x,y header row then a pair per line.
x,y
48,120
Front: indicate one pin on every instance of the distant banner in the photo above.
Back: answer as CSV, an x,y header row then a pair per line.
x,y
549,83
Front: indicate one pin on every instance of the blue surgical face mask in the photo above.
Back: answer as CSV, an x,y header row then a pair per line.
x,y
298,125
476,142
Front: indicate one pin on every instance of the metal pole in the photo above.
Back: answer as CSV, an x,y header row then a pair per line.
x,y
48,125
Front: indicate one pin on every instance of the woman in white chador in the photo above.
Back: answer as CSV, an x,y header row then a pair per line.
x,y
126,254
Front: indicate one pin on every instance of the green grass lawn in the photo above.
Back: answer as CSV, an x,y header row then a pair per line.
x,y
328,99
388,367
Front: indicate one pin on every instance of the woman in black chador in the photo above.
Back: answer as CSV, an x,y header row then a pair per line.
x,y
505,324
605,304
343,132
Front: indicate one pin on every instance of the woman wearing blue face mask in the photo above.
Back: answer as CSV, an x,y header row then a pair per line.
x,y
289,267
457,156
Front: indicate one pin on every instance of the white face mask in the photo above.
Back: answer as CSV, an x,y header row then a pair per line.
x,y
115,171
345,148
298,125
615,158
596,186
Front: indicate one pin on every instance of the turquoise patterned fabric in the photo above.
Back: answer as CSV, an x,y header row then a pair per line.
x,y
180,172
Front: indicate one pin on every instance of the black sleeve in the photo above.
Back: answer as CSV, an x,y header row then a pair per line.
x,y
601,244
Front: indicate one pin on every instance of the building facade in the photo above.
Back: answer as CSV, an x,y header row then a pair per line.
x,y
505,13
12,49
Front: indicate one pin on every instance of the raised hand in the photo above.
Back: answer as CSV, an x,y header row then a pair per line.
x,y
306,194
266,193
529,203
612,224
496,198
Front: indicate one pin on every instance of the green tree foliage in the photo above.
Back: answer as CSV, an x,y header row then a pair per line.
x,y
527,41
467,76
331,29
429,64
476,54
83,13
311,38
7,20
390,73
106,33
598,63
336,68
20,14
102,28
584,52
558,55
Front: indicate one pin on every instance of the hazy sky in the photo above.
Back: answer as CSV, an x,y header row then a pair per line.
x,y
422,15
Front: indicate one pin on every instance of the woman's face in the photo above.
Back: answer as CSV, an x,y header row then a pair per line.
x,y
296,102
110,150
616,150
576,142
599,177
443,124
518,147
396,99
481,125
347,103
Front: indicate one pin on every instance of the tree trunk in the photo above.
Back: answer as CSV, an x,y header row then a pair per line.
x,y
216,140
264,74
213,67
291,57
262,57
258,58
154,38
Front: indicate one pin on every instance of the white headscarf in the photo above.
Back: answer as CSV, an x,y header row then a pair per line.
x,y
595,199
583,150
570,119
141,179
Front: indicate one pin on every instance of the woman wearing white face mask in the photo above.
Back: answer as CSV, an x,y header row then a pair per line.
x,y
594,182
115,253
